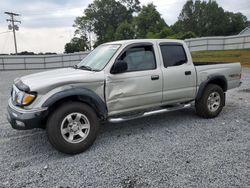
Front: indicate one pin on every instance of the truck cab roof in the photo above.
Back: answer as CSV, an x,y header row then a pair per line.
x,y
131,41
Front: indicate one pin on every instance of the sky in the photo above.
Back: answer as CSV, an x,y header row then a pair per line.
x,y
47,25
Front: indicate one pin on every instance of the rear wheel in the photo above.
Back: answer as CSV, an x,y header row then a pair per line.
x,y
72,128
211,102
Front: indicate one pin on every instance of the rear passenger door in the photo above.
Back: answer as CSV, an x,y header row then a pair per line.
x,y
179,76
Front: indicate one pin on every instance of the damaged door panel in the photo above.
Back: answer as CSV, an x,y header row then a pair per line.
x,y
125,92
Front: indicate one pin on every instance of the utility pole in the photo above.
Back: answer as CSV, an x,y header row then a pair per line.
x,y
12,26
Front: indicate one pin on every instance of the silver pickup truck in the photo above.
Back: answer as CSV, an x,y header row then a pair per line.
x,y
118,81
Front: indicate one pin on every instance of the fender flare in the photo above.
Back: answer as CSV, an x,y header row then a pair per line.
x,y
85,95
211,79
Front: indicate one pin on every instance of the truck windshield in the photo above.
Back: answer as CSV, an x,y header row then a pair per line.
x,y
99,57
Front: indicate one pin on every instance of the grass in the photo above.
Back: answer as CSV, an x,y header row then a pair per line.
x,y
241,55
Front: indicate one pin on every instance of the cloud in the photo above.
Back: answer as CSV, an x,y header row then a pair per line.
x,y
46,25
58,18
47,13
37,39
242,6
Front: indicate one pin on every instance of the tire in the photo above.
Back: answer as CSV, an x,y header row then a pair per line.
x,y
72,118
211,102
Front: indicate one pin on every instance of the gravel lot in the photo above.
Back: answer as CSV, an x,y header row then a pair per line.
x,y
176,149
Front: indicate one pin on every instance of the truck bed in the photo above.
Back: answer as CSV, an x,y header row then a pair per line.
x,y
231,71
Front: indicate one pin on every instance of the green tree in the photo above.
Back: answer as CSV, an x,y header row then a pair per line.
x,y
164,33
132,5
103,17
236,23
76,45
183,35
188,17
26,53
206,18
212,19
125,30
148,20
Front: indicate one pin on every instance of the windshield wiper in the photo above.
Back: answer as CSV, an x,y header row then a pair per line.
x,y
83,67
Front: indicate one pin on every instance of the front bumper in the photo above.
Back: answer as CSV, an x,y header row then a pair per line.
x,y
22,119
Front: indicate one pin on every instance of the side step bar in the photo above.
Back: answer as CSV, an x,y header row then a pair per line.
x,y
149,113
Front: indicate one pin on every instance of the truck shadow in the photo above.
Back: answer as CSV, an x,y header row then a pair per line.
x,y
170,120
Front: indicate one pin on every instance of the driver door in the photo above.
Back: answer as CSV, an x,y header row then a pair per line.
x,y
140,86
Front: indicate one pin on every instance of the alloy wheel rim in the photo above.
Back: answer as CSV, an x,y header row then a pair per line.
x,y
75,127
213,101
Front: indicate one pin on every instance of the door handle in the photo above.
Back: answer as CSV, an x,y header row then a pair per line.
x,y
187,72
155,77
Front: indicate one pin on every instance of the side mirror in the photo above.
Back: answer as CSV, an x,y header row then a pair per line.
x,y
119,66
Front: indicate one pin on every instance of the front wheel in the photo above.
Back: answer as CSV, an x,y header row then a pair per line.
x,y
211,102
72,128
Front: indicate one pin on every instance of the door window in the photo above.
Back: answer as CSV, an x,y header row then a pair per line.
x,y
139,58
173,55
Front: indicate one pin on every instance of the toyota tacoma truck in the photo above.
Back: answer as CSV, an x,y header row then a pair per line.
x,y
118,81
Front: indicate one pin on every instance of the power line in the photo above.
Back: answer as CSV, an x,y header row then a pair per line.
x,y
13,27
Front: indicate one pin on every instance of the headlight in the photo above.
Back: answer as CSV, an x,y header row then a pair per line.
x,y
28,98
24,99
19,97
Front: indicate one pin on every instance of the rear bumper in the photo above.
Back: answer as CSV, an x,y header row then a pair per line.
x,y
25,119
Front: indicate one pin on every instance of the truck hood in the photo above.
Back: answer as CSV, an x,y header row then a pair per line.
x,y
51,79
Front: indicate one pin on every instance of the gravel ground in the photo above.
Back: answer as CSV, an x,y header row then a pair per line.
x,y
176,149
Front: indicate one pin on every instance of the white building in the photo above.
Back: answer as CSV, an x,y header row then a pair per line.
x,y
245,31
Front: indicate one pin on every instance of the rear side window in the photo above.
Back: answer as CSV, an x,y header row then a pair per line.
x,y
173,55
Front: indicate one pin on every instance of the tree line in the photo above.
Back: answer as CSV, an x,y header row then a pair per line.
x,y
30,53
111,20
